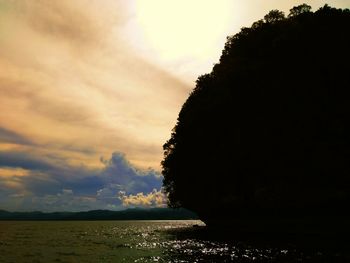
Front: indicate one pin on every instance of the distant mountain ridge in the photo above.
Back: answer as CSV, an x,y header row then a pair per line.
x,y
128,214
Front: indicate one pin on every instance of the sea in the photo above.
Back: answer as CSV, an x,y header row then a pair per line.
x,y
143,241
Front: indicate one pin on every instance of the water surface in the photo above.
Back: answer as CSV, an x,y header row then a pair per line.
x,y
140,241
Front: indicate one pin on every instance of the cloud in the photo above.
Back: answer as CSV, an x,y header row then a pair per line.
x,y
29,182
131,179
156,198
70,80
72,90
23,160
8,136
59,18
79,21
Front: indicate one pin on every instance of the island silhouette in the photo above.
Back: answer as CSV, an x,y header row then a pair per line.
x,y
127,214
263,141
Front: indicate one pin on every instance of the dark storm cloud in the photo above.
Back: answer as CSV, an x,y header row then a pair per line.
x,y
24,160
8,136
131,179
54,181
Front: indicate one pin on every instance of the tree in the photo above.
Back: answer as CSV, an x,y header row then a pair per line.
x,y
267,131
300,9
274,16
258,24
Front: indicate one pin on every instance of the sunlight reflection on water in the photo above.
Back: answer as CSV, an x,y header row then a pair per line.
x,y
136,241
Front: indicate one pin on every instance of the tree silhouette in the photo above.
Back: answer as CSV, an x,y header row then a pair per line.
x,y
268,130
274,16
300,9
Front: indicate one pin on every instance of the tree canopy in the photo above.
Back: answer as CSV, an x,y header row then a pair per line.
x,y
268,130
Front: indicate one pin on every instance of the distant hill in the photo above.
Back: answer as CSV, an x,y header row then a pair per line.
x,y
128,214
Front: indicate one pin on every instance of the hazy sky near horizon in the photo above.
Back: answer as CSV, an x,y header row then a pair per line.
x,y
90,91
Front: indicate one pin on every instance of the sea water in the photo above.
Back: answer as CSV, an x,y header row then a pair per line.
x,y
135,241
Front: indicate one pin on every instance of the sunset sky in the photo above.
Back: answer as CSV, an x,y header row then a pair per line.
x,y
90,90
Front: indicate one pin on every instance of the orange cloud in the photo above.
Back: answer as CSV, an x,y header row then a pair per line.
x,y
156,198
9,172
71,84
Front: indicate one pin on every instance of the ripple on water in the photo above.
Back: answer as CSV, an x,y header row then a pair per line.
x,y
146,242
176,250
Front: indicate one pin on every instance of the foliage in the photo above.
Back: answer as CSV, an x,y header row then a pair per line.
x,y
274,16
298,10
267,131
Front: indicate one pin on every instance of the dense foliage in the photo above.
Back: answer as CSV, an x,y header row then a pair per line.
x,y
268,130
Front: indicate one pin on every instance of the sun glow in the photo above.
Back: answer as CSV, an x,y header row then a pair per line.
x,y
185,32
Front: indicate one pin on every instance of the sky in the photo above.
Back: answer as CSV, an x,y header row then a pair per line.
x,y
91,89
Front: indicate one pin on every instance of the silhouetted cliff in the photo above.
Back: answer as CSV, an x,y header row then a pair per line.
x,y
267,132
